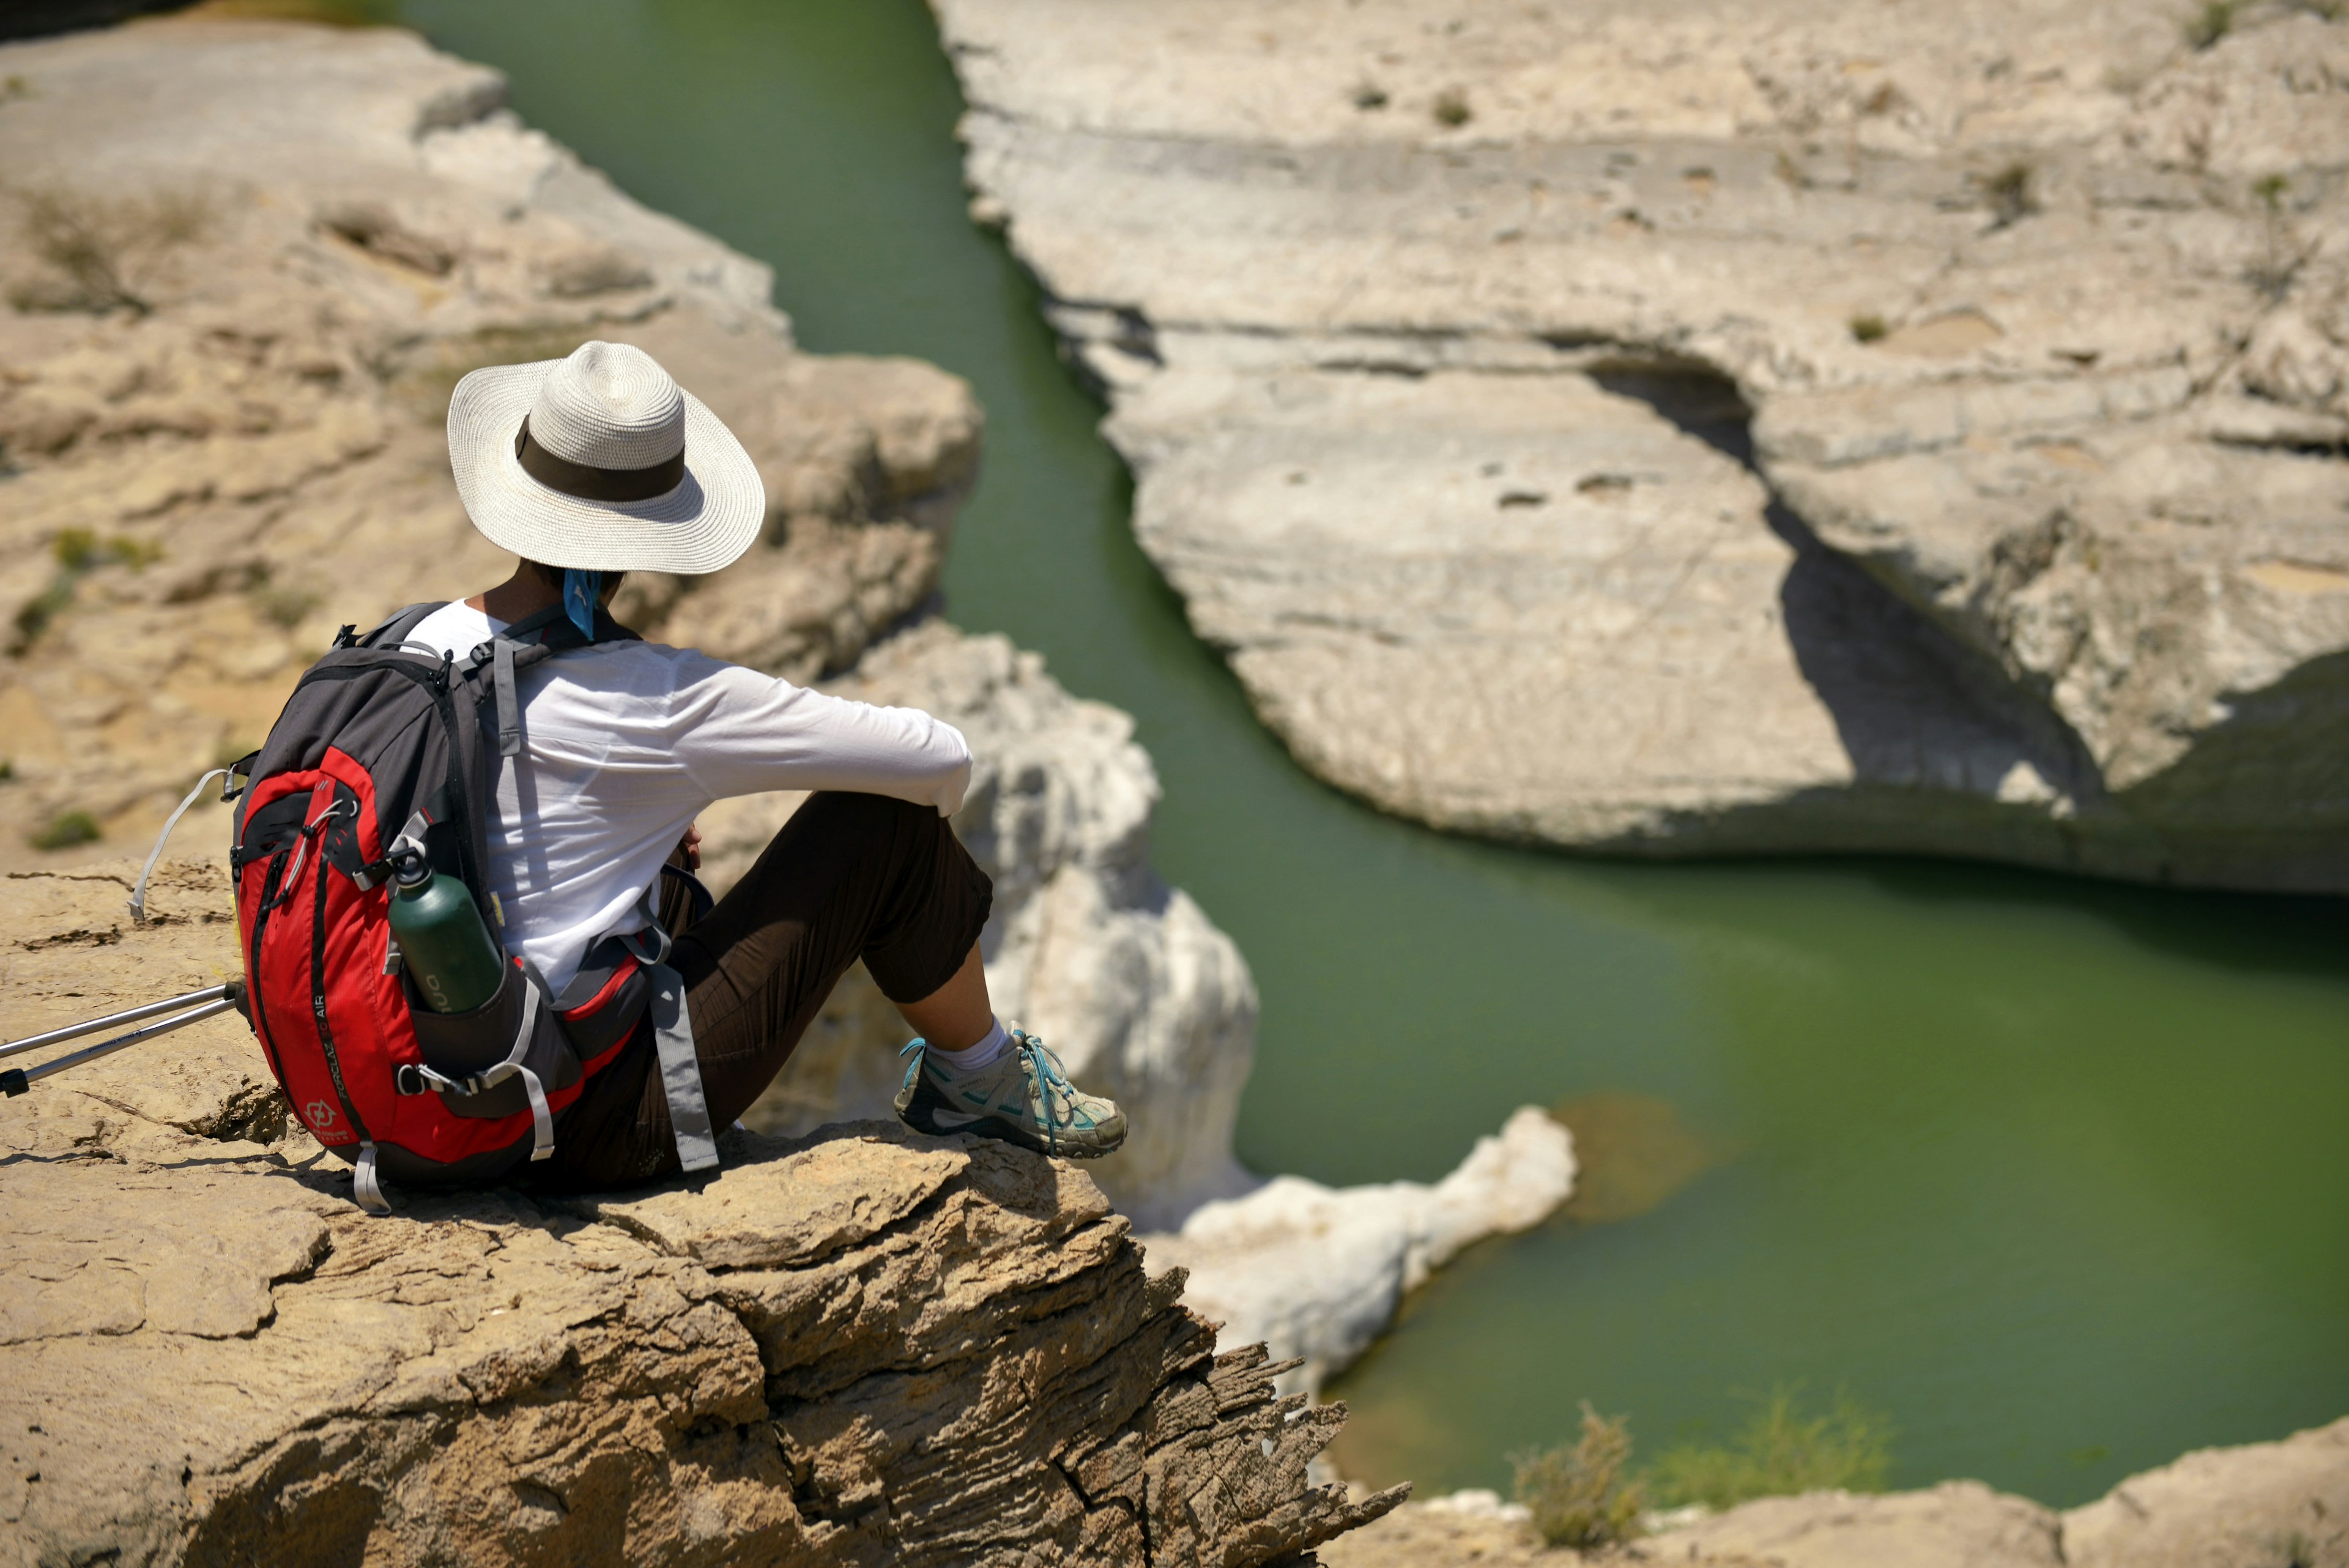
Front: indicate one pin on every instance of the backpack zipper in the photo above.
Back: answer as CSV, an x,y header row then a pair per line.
x,y
435,679
253,973
318,999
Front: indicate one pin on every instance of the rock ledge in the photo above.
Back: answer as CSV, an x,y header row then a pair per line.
x,y
862,1346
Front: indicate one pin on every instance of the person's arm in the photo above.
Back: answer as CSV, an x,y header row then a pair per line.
x,y
741,733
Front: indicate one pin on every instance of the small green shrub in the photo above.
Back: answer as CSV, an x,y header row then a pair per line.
x,y
108,250
1452,110
34,616
2283,254
2293,1549
68,829
81,550
75,548
2010,197
1580,1496
1869,329
284,606
1781,1452
1367,96
2210,23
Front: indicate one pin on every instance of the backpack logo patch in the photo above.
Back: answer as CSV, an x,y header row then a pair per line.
x,y
319,1115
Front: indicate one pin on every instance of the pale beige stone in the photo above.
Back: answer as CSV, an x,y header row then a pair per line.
x,y
2265,1504
2036,313
1957,1524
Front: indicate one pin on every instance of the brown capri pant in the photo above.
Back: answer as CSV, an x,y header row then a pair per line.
x,y
849,877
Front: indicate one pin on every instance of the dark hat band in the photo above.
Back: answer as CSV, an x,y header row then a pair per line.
x,y
596,484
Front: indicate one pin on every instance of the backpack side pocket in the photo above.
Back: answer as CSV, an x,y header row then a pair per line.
x,y
488,1059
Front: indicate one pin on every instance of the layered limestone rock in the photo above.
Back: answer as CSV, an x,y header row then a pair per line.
x,y
1725,427
243,264
2264,1505
867,1346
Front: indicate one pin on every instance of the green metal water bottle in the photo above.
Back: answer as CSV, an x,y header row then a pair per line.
x,y
456,963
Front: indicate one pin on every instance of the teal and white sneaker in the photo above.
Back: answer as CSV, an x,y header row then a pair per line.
x,y
1022,1097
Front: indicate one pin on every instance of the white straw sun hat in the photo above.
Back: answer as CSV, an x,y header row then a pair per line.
x,y
602,461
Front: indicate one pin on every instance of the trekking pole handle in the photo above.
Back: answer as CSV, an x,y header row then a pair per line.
x,y
232,991
16,1081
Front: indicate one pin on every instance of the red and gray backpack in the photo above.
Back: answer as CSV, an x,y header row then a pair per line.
x,y
382,748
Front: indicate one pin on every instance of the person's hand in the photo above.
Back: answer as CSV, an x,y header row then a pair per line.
x,y
688,848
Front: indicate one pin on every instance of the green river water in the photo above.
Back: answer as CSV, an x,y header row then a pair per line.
x,y
2052,1173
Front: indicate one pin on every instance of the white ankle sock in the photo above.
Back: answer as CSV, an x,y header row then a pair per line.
x,y
973,1057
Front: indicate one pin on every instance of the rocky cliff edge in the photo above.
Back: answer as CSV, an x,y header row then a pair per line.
x,y
860,1346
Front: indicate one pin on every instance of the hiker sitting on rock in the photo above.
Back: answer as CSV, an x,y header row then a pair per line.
x,y
598,750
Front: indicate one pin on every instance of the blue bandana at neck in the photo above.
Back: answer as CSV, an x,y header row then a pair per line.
x,y
581,588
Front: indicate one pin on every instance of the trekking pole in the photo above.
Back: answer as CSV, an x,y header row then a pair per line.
x,y
208,1004
127,1015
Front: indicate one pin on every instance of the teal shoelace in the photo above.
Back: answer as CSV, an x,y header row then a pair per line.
x,y
914,1048
1044,1070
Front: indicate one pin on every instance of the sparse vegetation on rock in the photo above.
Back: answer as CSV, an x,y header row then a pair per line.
x,y
68,829
1778,1452
1583,1495
2213,22
104,252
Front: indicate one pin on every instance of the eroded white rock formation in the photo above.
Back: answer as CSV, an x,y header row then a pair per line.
x,y
1432,335
1316,1272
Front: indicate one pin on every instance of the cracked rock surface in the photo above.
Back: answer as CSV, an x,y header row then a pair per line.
x,y
1706,427
860,1346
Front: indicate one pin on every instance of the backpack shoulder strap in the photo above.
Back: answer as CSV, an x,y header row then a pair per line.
x,y
392,632
538,636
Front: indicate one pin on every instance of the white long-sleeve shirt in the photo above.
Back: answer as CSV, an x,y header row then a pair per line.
x,y
624,745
